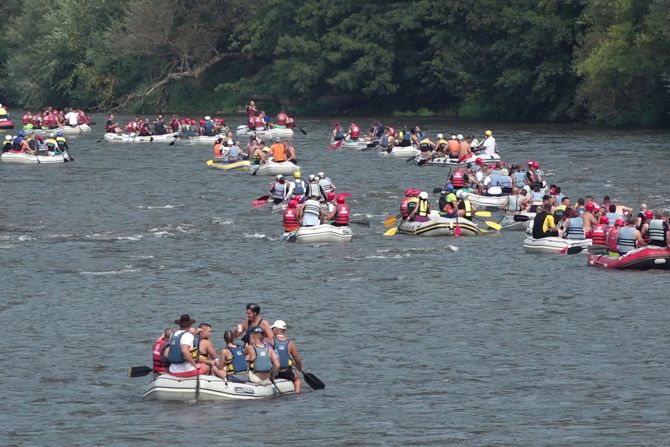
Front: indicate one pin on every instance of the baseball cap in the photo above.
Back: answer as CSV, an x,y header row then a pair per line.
x,y
279,324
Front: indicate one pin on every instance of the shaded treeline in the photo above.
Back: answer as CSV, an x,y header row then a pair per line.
x,y
530,60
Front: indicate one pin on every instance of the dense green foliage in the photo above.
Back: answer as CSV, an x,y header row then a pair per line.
x,y
532,60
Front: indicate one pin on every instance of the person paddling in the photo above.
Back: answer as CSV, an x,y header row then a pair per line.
x,y
288,355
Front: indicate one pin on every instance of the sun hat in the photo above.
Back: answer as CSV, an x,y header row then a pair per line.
x,y
185,320
279,324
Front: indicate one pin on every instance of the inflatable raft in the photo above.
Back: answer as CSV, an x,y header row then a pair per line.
x,y
486,201
274,168
320,234
203,139
167,387
241,165
132,138
439,226
6,123
643,258
23,158
452,162
282,132
357,145
509,222
400,152
550,245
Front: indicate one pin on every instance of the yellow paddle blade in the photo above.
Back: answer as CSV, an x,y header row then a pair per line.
x,y
391,232
483,213
494,225
210,162
390,221
483,231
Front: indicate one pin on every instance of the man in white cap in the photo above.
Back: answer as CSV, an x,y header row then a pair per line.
x,y
464,150
288,355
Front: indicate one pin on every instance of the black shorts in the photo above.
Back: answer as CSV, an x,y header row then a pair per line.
x,y
286,374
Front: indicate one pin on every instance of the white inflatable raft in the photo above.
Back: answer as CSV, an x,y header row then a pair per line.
x,y
23,158
438,226
320,234
167,387
486,201
66,130
274,168
550,245
283,132
400,152
357,145
446,161
133,138
508,223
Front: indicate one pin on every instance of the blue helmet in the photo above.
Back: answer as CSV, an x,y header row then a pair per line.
x,y
20,133
59,134
449,187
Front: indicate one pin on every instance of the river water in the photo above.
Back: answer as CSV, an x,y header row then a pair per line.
x,y
418,343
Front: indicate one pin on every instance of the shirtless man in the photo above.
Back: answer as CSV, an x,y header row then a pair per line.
x,y
254,319
589,218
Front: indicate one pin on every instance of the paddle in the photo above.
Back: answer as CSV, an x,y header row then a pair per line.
x,y
261,201
332,147
67,155
302,130
597,249
410,159
391,232
139,371
365,223
312,380
275,385
391,220
292,236
483,213
521,218
574,250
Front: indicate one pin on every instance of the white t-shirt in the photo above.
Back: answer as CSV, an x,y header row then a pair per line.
x,y
479,176
490,146
72,118
186,339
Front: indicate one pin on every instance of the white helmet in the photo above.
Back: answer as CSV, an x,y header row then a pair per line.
x,y
440,136
321,174
311,177
459,136
207,118
459,194
7,137
452,137
279,177
423,195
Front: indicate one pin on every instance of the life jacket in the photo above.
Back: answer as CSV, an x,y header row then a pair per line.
x,y
51,144
355,132
626,240
278,152
290,220
16,143
258,122
658,233
312,207
130,127
27,118
37,120
575,229
218,150
612,217
442,144
425,144
161,363
391,132
424,208
281,347
612,238
239,362
314,190
513,203
467,206
457,179
262,362
339,134
404,212
298,188
519,179
454,147
412,203
598,234
406,137
281,118
175,355
342,214
62,143
208,128
278,190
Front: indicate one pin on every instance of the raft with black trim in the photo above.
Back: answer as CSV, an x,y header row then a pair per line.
x,y
439,226
29,159
274,168
400,152
358,145
452,162
643,258
512,223
552,245
276,132
132,138
171,388
319,234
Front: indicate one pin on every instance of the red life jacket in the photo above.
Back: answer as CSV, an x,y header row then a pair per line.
x,y
612,238
27,118
598,234
258,122
185,122
37,120
342,215
50,121
403,208
281,119
355,132
391,132
161,364
290,219
130,128
457,179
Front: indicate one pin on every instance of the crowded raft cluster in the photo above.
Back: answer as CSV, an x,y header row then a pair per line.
x,y
188,366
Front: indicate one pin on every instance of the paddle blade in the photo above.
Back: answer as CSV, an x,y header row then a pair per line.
x,y
210,162
573,250
521,218
483,213
313,381
259,203
302,130
437,190
457,231
597,249
494,225
139,371
390,221
391,232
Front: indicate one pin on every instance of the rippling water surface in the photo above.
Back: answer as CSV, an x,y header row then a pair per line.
x,y
418,344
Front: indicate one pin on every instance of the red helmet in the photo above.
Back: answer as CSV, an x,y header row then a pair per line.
x,y
536,165
604,220
591,206
330,196
649,214
292,203
408,192
531,163
479,161
619,222
340,199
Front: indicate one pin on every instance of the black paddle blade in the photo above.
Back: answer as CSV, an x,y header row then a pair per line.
x,y
302,130
313,381
139,371
574,250
437,190
521,218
